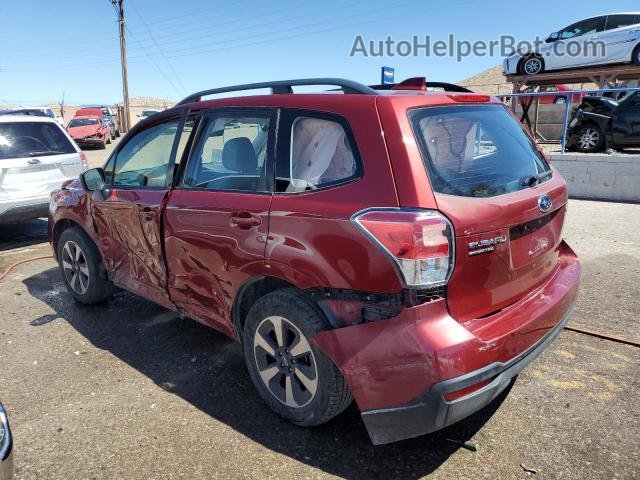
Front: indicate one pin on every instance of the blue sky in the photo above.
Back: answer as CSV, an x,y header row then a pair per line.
x,y
174,47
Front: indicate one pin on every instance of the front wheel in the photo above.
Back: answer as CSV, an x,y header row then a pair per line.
x,y
81,267
590,139
532,65
292,376
635,56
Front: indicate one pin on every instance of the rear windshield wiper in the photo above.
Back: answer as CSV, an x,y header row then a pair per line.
x,y
37,153
535,179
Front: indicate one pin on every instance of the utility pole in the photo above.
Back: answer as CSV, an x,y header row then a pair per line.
x,y
61,103
119,7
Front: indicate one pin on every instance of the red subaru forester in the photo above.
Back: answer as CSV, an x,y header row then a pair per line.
x,y
402,247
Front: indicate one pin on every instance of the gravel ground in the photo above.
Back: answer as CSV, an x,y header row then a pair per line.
x,y
127,390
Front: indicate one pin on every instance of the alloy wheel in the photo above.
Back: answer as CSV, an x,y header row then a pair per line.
x,y
589,138
285,362
75,268
532,66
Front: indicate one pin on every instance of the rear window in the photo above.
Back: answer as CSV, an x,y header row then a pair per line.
x,y
28,139
476,150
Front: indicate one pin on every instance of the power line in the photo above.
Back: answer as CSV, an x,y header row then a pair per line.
x,y
156,64
109,35
160,50
190,48
234,45
91,51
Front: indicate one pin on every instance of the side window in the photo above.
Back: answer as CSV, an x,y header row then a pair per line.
x,y
231,153
144,160
619,21
585,27
320,154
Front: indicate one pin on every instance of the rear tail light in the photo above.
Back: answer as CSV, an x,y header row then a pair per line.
x,y
83,159
420,242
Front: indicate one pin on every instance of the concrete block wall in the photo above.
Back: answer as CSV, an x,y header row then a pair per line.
x,y
600,176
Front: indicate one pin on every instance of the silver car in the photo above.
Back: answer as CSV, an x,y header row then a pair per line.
x,y
6,447
36,157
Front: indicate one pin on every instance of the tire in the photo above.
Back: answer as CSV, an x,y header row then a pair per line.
x,y
82,272
560,100
309,392
108,141
590,138
103,145
117,133
635,57
532,65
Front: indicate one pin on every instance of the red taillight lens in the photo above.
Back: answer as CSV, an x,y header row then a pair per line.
x,y
419,241
83,159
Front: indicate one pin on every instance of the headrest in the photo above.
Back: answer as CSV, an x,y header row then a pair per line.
x,y
238,155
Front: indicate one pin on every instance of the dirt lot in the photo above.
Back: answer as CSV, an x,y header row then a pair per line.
x,y
127,390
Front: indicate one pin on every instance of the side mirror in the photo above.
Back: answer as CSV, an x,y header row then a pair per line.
x,y
93,180
553,37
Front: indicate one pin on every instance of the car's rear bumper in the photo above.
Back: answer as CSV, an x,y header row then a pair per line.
x,y
431,412
399,370
17,210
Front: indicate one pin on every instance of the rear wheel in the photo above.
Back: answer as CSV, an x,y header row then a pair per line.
x,y
81,267
292,376
590,138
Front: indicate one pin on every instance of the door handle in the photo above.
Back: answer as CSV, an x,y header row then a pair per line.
x,y
244,220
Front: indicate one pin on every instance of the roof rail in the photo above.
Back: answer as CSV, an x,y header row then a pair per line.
x,y
448,87
284,86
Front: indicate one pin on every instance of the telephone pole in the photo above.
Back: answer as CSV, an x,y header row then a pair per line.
x,y
119,7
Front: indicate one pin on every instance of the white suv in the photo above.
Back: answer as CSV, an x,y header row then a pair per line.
x,y
618,32
36,157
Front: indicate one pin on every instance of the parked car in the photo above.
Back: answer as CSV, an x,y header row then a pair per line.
x,y
37,111
90,131
36,157
599,123
554,94
147,113
112,116
400,247
105,119
619,32
6,447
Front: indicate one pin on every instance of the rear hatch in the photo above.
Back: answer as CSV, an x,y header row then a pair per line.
x,y
35,158
505,202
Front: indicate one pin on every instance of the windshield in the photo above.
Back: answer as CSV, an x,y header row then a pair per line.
x,y
476,150
28,139
82,122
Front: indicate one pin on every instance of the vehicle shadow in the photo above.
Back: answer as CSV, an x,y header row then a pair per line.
x,y
22,234
206,369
